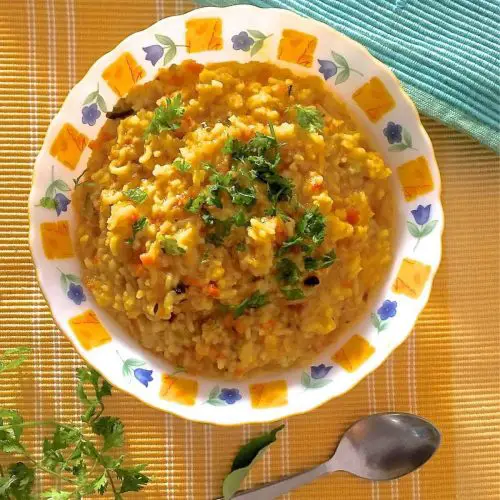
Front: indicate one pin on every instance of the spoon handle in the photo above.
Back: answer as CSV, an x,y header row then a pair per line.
x,y
277,488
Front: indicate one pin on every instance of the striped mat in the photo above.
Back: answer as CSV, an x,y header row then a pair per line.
x,y
448,370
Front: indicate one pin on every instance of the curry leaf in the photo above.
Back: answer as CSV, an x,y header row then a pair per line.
x,y
246,457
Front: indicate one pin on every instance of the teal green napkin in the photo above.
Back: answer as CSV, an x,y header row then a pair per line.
x,y
445,52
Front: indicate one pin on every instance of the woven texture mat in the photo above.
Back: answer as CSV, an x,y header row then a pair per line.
x,y
448,370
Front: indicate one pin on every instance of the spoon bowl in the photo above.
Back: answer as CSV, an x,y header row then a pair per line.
x,y
379,447
386,446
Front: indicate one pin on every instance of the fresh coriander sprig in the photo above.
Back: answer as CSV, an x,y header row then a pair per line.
x,y
81,464
170,246
309,118
309,232
166,117
255,301
137,195
138,226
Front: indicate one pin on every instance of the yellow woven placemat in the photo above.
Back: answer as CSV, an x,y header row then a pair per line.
x,y
447,371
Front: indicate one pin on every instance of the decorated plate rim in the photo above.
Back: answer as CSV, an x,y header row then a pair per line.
x,y
257,415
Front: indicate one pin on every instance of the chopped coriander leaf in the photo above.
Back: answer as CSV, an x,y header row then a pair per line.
x,y
311,264
293,293
289,243
166,117
241,246
217,229
170,246
255,301
181,164
245,196
240,220
309,118
137,195
138,226
312,225
194,204
287,271
310,228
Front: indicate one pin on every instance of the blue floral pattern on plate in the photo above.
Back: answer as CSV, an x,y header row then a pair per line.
x,y
380,319
223,397
249,40
339,66
92,107
422,226
54,198
317,377
399,137
72,287
167,49
132,368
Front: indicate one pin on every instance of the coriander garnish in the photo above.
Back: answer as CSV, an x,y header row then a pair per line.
x,y
181,164
137,195
309,118
255,301
311,264
309,232
170,246
287,271
293,293
166,117
79,457
137,226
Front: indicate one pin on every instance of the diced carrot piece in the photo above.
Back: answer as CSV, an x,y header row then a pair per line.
x,y
281,234
192,66
240,326
212,290
352,216
316,187
147,259
228,321
193,281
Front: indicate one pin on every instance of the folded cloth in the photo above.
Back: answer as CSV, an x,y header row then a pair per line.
x,y
445,52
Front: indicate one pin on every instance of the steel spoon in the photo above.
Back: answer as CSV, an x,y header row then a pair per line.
x,y
379,447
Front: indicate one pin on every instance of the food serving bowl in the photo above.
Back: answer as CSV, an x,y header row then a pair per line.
x,y
382,110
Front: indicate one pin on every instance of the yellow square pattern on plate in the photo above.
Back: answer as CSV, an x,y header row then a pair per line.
x,y
88,330
68,146
179,389
123,74
297,47
56,240
269,394
353,353
411,278
415,178
204,34
374,99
